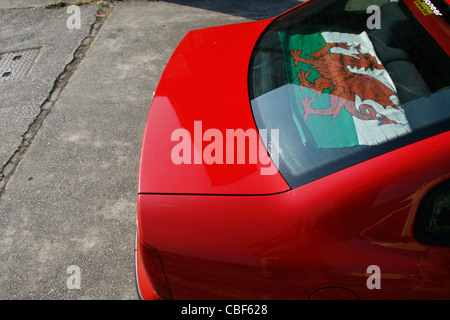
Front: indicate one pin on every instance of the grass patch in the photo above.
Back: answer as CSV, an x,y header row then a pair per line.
x,y
56,5
62,4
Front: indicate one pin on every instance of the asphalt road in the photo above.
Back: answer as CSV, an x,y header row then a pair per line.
x,y
70,133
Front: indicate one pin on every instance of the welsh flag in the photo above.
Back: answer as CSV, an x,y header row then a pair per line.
x,y
341,94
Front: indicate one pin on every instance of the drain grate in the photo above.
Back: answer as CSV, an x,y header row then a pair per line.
x,y
17,64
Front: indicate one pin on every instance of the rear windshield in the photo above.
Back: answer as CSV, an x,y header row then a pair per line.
x,y
345,81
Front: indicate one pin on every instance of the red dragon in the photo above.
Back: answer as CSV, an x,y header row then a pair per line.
x,y
344,84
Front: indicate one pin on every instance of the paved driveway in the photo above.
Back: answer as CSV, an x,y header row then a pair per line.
x,y
71,131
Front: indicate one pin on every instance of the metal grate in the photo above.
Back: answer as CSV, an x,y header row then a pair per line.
x,y
17,64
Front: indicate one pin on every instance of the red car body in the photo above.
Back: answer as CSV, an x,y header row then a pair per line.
x,y
224,231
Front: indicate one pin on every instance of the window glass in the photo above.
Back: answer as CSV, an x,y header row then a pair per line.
x,y
433,222
340,92
361,5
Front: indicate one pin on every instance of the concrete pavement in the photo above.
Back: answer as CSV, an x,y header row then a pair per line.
x,y
71,133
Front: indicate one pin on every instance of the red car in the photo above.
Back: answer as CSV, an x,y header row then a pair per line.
x,y
301,157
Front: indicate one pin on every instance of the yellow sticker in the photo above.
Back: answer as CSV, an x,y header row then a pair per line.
x,y
423,7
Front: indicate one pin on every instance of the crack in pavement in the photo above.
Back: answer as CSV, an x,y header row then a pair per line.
x,y
9,168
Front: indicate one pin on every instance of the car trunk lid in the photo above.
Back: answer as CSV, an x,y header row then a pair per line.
x,y
201,101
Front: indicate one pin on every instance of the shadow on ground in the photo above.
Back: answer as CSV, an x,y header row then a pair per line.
x,y
251,9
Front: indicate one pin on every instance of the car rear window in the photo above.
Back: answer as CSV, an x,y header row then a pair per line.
x,y
344,81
